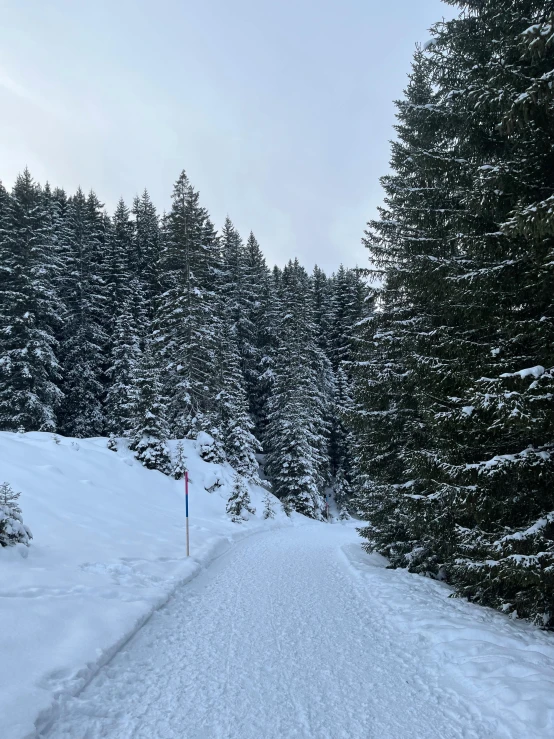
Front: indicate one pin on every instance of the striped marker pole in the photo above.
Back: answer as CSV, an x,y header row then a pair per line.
x,y
187,508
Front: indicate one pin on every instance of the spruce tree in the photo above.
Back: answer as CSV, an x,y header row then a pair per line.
x,y
150,430
257,294
12,529
239,501
30,310
266,321
185,320
501,492
411,253
268,506
146,250
180,462
235,293
322,290
84,338
231,415
296,436
124,359
465,319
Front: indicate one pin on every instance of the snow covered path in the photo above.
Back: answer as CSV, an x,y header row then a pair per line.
x,y
287,635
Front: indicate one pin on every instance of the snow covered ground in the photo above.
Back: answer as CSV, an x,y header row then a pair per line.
x,y
292,632
108,549
295,633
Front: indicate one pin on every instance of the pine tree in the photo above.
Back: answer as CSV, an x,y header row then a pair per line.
x,y
146,250
150,431
30,310
180,462
296,437
255,345
84,334
125,356
322,290
342,493
12,529
239,500
268,506
267,323
342,443
466,245
238,272
411,254
349,304
119,270
231,416
185,323
500,492
125,312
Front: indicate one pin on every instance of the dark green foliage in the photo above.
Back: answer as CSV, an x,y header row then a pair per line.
x,y
231,415
185,320
297,433
30,309
149,328
150,430
454,382
84,337
146,255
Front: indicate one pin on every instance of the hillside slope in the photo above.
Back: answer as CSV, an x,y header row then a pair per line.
x,y
108,549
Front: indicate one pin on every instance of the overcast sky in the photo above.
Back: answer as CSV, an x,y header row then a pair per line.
x,y
280,111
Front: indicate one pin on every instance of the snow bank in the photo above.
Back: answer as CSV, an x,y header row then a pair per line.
x,y
108,549
503,668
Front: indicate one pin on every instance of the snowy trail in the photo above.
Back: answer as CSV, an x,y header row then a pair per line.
x,y
278,638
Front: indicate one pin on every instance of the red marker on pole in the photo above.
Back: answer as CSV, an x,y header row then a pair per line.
x,y
187,508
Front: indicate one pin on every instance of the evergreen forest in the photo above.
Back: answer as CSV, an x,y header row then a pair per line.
x,y
417,391
154,327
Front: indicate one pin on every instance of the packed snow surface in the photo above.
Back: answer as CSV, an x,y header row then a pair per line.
x,y
297,633
293,632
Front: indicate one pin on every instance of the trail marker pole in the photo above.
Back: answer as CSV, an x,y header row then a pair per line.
x,y
187,508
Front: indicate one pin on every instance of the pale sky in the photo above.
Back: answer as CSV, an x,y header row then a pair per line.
x,y
280,111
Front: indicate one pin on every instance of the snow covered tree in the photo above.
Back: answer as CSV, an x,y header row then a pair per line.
x,y
410,253
256,337
84,332
297,432
209,445
266,319
231,410
185,317
30,310
150,431
268,506
146,252
239,500
118,273
500,486
180,462
342,493
342,442
349,304
125,355
12,529
322,291
464,330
